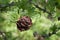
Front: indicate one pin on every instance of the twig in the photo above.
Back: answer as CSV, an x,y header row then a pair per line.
x,y
43,9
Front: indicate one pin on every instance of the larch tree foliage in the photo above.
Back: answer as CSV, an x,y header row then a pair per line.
x,y
29,19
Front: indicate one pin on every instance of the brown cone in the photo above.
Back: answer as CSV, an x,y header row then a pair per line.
x,y
24,23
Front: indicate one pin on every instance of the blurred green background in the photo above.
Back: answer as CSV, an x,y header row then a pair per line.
x,y
41,20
